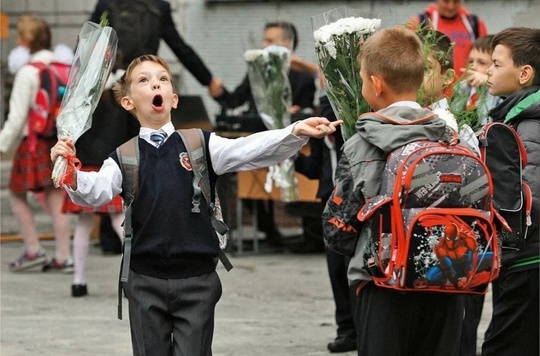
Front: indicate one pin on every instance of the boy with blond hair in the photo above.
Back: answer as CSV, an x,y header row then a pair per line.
x,y
471,92
173,286
515,75
389,322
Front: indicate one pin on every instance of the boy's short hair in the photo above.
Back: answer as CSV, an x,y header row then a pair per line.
x,y
121,87
288,30
395,54
34,31
483,44
439,45
524,43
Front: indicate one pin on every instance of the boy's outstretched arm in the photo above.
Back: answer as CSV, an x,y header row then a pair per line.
x,y
63,148
316,127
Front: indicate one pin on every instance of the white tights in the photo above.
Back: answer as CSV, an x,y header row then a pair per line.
x,y
81,241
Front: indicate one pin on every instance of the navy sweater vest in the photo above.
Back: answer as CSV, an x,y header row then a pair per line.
x,y
169,241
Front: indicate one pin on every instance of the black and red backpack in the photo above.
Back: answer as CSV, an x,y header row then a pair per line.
x,y
504,154
433,226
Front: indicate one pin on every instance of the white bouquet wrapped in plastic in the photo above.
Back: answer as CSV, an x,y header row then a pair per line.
x,y
268,71
338,40
92,64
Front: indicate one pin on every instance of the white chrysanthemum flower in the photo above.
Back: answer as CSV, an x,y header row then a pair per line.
x,y
467,134
252,54
336,44
448,117
346,25
278,50
331,48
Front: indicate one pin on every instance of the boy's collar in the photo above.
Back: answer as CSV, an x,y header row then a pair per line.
x,y
411,104
168,128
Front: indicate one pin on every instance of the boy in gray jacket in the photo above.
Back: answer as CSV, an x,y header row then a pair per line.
x,y
388,322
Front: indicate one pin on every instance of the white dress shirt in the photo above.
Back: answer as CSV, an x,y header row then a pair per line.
x,y
257,150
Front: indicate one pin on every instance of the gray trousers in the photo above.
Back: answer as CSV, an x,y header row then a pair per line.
x,y
172,316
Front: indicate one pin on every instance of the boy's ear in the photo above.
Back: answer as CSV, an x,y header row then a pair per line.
x,y
127,103
527,75
175,101
378,84
449,76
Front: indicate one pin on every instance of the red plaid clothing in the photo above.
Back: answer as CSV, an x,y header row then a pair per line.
x,y
114,206
32,172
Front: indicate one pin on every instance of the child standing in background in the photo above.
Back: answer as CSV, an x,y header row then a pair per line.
x,y
31,170
471,93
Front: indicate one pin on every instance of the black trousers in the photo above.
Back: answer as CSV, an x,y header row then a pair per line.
x,y
172,316
514,325
408,324
473,313
344,296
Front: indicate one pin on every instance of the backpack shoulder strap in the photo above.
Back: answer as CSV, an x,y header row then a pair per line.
x,y
473,20
196,148
128,158
195,144
423,19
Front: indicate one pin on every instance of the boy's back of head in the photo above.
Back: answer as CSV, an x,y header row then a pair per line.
x,y
438,45
395,55
524,44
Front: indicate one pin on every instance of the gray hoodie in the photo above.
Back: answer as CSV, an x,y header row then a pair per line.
x,y
359,172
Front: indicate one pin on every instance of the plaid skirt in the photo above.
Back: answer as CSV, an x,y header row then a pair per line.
x,y
114,206
32,172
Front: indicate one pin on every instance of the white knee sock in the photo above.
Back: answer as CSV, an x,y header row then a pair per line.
x,y
81,243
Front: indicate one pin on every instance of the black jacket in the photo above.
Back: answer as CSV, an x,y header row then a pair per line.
x,y
170,35
318,165
302,86
111,127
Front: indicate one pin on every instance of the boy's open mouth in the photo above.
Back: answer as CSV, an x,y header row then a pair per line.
x,y
157,103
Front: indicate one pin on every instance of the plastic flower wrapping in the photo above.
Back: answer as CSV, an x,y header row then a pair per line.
x,y
268,71
464,131
92,64
338,39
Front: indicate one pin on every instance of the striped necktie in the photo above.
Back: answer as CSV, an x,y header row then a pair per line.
x,y
158,137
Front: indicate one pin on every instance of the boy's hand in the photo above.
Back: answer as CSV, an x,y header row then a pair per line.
x,y
63,147
475,78
316,127
215,87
